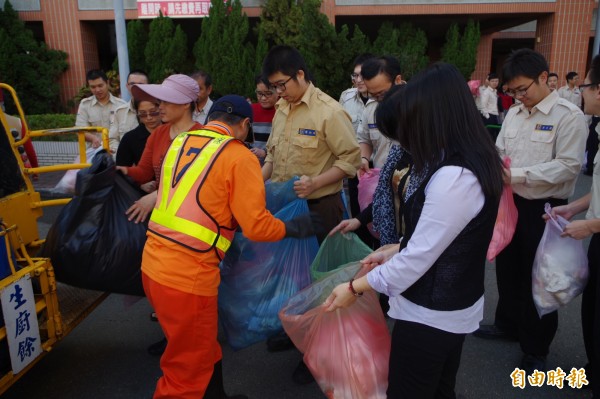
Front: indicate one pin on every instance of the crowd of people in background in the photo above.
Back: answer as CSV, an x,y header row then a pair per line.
x,y
437,142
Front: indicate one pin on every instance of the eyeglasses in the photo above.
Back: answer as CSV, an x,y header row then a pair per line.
x,y
135,83
356,77
519,93
147,114
280,87
265,94
379,95
583,86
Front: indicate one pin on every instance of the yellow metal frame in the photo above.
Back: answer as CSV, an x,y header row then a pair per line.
x,y
18,214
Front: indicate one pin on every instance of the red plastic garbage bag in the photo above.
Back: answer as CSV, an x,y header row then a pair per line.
x,y
347,350
506,221
366,188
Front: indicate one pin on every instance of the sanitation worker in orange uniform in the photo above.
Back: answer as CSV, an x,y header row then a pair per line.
x,y
210,184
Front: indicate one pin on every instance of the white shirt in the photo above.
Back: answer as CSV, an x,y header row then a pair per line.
x,y
489,102
546,147
453,197
352,103
125,120
572,95
200,116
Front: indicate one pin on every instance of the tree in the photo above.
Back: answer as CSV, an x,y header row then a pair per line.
x,y
281,21
462,51
262,48
359,43
469,44
318,44
31,68
165,51
407,43
223,50
137,38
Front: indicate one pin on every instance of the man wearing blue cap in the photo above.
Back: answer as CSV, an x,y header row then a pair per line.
x,y
210,184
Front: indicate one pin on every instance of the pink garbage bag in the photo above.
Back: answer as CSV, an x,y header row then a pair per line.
x,y
366,188
506,221
347,350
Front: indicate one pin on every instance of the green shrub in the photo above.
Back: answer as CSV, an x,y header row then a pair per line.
x,y
52,121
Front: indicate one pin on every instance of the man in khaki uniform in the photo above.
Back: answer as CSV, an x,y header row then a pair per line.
x,y
98,109
126,118
313,138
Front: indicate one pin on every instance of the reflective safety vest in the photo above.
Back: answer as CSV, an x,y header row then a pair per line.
x,y
177,215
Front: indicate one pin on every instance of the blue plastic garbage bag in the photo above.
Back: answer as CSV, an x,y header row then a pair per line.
x,y
257,278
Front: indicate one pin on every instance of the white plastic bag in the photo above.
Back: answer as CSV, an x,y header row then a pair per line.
x,y
66,184
560,268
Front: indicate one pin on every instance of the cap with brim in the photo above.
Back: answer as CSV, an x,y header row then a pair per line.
x,y
235,105
176,89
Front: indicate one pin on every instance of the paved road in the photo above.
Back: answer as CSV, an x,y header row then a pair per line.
x,y
105,357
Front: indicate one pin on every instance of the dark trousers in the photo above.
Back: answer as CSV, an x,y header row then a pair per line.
x,y
591,145
516,312
362,232
590,315
330,210
492,120
423,362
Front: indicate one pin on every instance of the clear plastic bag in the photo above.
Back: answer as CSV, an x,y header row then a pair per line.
x,y
347,350
560,268
506,221
336,251
257,278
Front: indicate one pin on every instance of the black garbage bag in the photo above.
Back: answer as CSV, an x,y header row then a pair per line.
x,y
92,244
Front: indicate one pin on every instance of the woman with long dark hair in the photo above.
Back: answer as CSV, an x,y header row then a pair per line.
x,y
449,202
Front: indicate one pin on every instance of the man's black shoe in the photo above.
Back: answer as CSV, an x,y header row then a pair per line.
x,y
492,331
530,363
158,348
302,374
279,342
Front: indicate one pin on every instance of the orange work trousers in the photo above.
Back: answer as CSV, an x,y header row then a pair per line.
x,y
190,325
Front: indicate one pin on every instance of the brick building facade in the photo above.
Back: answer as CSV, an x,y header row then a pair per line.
x,y
562,30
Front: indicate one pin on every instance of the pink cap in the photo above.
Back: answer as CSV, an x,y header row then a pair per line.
x,y
176,89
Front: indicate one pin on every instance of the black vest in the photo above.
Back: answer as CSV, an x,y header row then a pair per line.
x,y
456,280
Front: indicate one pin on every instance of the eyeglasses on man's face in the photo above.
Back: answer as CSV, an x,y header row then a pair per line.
x,y
265,94
520,92
356,77
280,86
583,86
143,114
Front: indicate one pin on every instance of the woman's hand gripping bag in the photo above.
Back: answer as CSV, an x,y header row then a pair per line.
x,y
337,251
506,221
560,268
347,350
92,244
366,188
257,278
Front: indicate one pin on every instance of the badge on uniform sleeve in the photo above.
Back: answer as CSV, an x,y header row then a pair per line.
x,y
544,128
307,132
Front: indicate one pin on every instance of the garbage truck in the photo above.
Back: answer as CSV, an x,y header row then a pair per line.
x,y
37,312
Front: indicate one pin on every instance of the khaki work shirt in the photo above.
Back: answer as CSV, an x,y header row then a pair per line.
x,y
93,113
125,120
311,138
369,134
546,147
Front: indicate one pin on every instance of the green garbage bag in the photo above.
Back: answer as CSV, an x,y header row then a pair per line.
x,y
336,251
